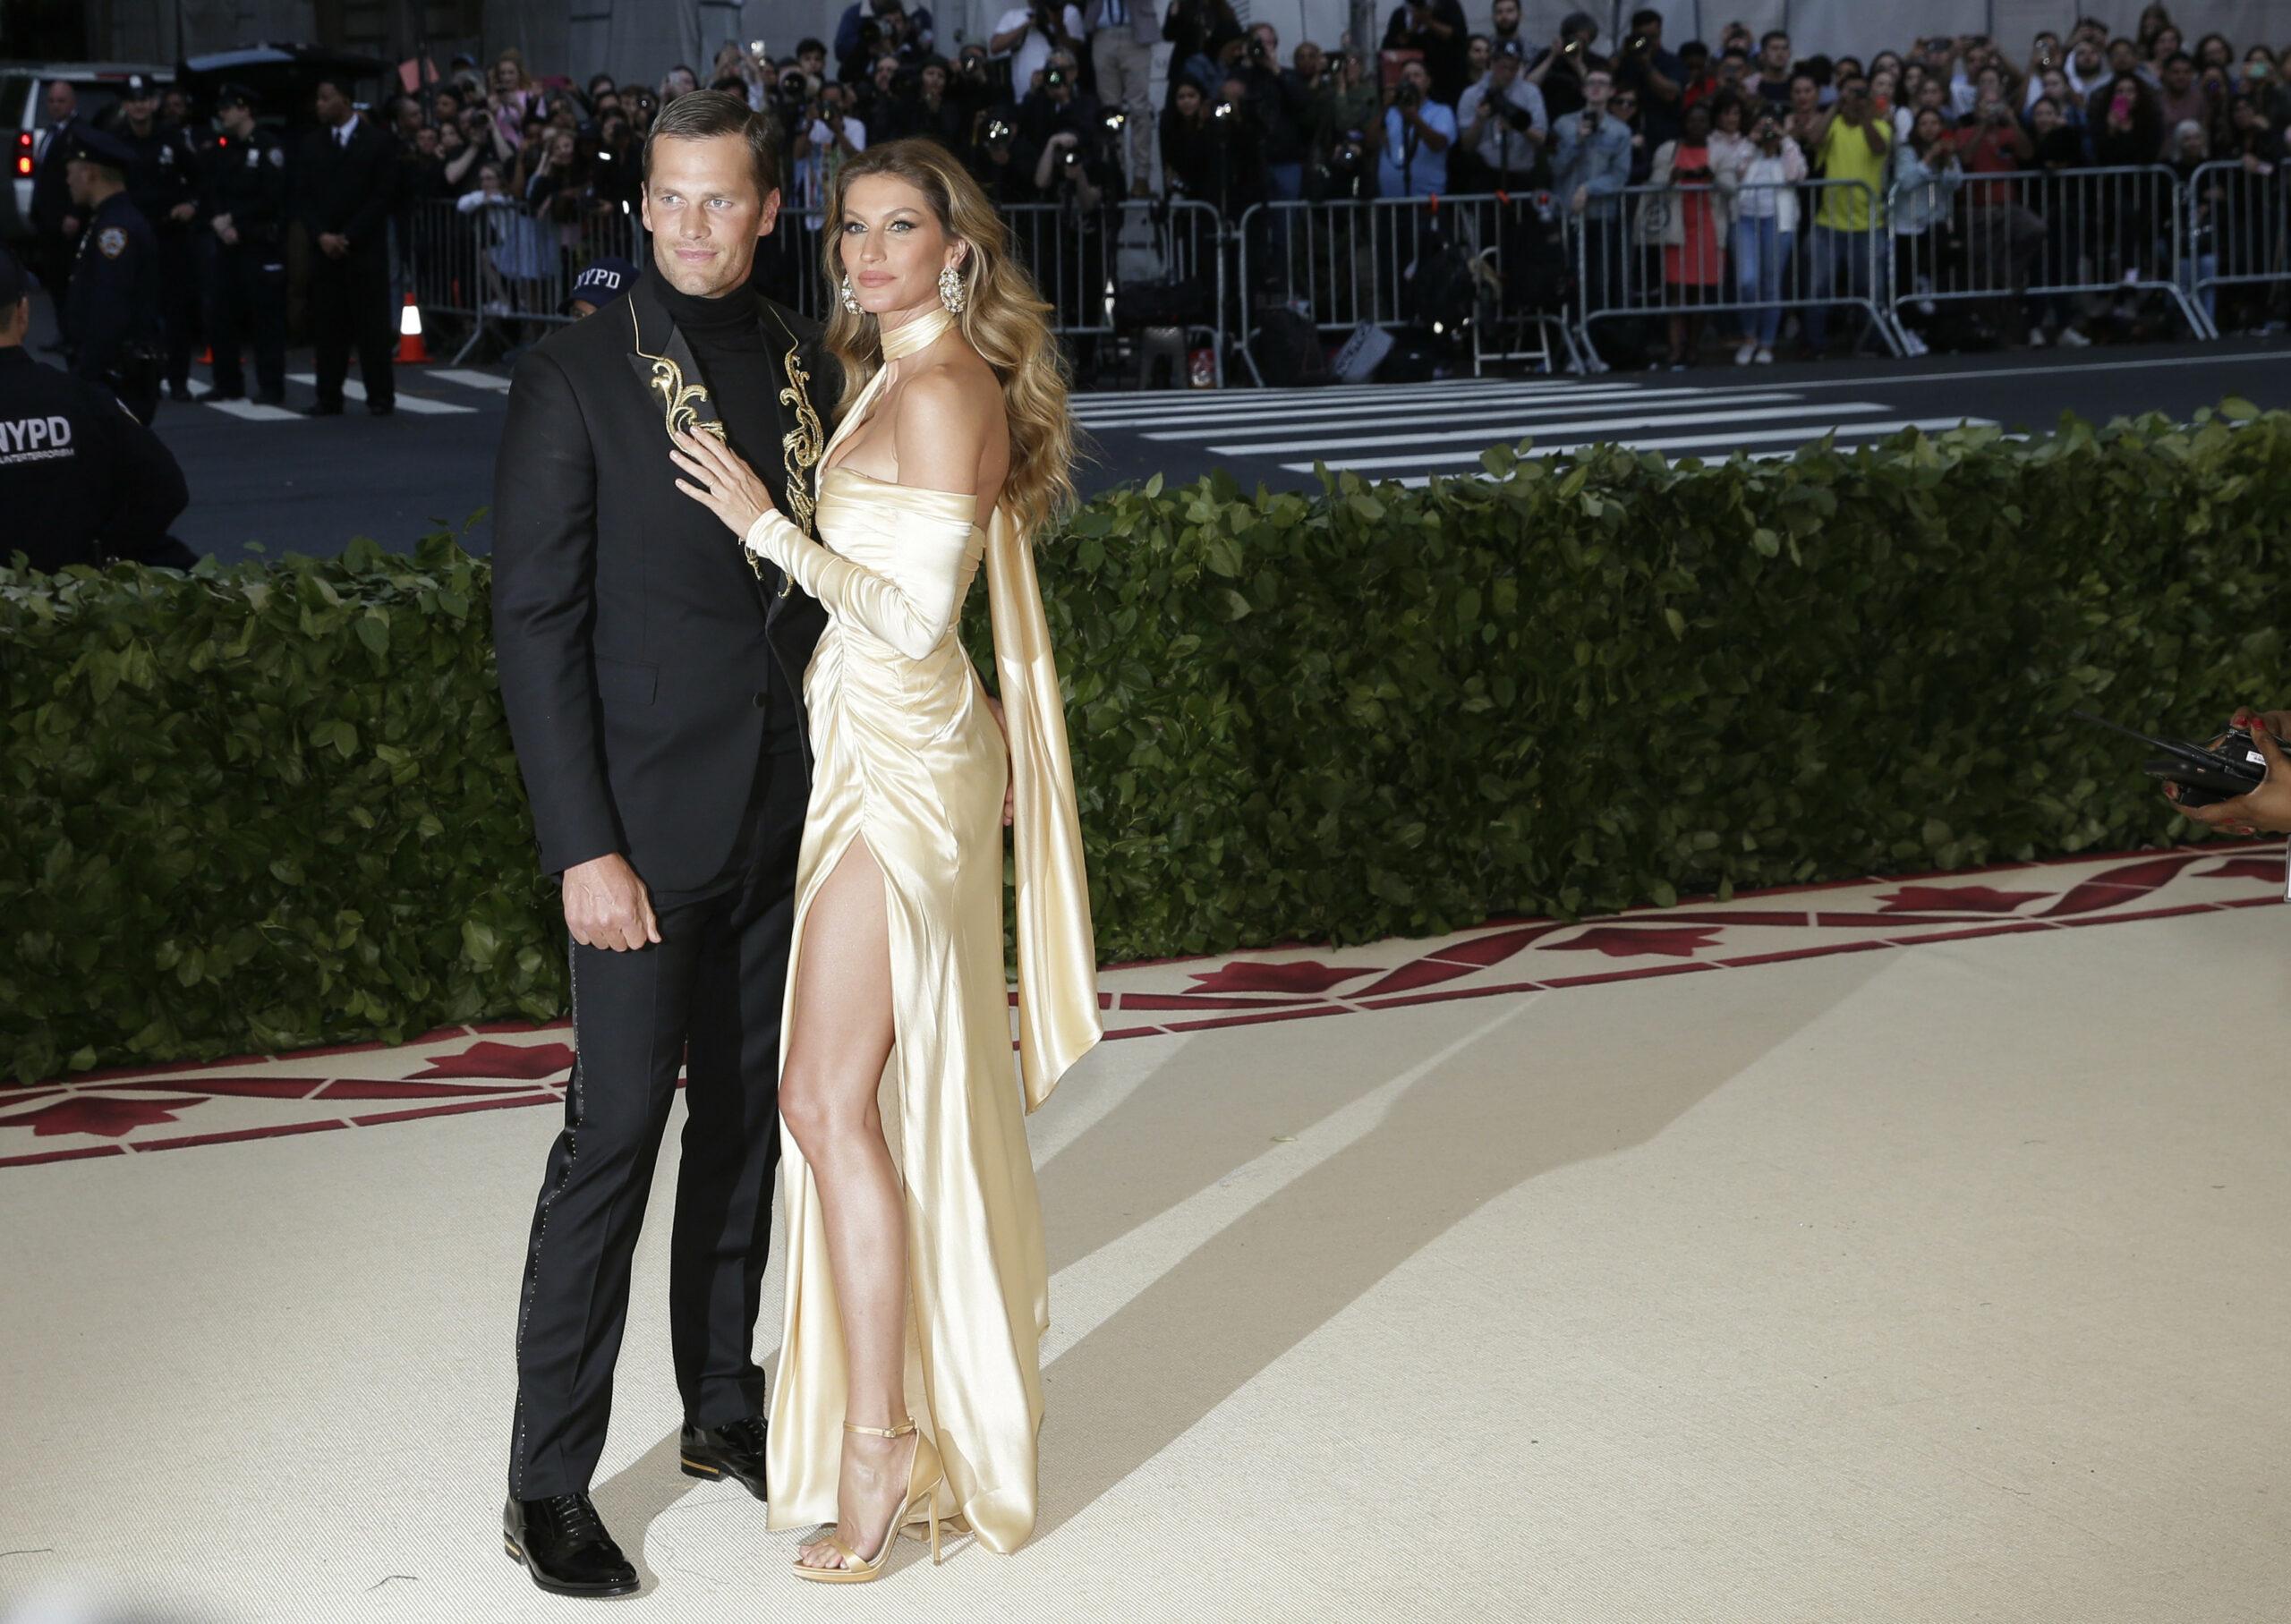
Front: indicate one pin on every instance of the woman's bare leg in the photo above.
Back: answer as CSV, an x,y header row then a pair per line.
x,y
839,1034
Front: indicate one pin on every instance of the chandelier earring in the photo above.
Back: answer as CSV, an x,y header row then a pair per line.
x,y
850,302
951,292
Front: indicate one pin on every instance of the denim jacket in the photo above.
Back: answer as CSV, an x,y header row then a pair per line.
x,y
1601,164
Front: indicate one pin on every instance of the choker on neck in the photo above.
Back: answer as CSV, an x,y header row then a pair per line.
x,y
917,333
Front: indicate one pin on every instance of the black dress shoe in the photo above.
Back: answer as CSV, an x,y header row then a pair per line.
x,y
179,392
733,1451
271,397
323,410
215,395
380,408
563,1544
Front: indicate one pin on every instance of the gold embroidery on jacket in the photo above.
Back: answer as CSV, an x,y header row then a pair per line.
x,y
681,411
800,446
680,401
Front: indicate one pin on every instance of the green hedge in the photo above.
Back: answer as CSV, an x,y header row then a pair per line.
x,y
265,806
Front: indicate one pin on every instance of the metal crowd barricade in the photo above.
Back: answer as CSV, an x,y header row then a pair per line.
x,y
1625,266
2054,236
2237,226
1080,258
1350,263
506,269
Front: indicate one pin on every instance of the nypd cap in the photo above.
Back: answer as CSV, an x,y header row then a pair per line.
x,y
600,282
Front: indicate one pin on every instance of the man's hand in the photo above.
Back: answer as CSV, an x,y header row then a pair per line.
x,y
1581,197
71,226
1011,790
230,234
182,211
606,906
332,245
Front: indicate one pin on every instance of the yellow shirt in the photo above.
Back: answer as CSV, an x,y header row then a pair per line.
x,y
1846,154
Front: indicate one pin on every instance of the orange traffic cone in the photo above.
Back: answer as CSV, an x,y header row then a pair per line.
x,y
411,350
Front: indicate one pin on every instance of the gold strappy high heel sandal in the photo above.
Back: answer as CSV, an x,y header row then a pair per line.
x,y
923,1477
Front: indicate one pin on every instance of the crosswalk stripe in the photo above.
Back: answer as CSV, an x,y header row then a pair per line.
x,y
1442,389
1320,406
1366,410
1663,416
470,379
1802,435
253,411
352,389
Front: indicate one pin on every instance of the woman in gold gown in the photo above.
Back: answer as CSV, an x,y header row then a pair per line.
x,y
954,450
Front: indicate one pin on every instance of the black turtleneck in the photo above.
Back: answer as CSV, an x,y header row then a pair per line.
x,y
730,340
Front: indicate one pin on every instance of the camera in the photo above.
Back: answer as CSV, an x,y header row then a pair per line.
x,y
998,133
1114,123
1257,53
1407,95
1053,79
1517,116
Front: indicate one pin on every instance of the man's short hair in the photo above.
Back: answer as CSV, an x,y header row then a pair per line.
x,y
704,115
1771,34
1646,17
805,48
2177,57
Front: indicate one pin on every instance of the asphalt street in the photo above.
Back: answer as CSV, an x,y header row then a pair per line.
x,y
277,480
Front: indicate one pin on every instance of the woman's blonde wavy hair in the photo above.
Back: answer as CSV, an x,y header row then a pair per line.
x,y
1003,317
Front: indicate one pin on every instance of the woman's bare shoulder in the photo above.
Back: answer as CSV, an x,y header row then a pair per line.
x,y
951,429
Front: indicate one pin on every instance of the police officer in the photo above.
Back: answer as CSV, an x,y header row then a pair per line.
x,y
243,204
163,184
602,280
81,480
111,329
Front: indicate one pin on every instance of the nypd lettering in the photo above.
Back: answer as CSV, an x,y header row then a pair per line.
x,y
34,439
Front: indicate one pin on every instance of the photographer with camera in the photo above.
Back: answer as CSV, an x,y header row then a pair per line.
x,y
1561,73
1028,34
1506,129
1279,107
1059,107
1004,170
1122,36
1850,143
872,29
1591,167
1413,138
1437,29
1760,175
1658,77
932,109
829,136
1345,109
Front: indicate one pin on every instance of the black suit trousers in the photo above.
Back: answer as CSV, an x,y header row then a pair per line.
x,y
350,304
709,995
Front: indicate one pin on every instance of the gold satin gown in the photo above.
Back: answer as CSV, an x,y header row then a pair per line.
x,y
909,759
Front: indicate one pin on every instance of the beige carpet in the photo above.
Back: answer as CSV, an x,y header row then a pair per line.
x,y
1832,1275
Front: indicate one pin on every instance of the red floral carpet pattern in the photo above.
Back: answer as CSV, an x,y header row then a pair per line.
x,y
508,1065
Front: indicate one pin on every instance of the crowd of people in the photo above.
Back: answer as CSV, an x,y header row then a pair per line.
x,y
1699,183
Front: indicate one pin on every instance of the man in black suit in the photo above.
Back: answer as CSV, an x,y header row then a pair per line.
x,y
652,675
342,187
56,221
